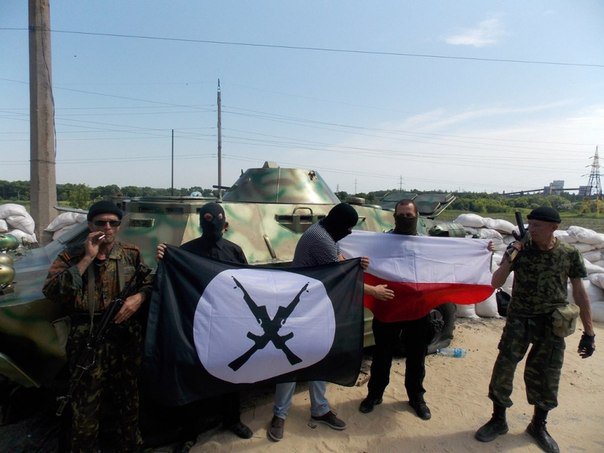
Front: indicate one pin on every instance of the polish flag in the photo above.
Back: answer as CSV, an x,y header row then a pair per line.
x,y
424,272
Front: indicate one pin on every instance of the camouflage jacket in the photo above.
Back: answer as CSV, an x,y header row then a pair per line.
x,y
541,278
66,286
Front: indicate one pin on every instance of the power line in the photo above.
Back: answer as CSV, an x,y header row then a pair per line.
x,y
320,49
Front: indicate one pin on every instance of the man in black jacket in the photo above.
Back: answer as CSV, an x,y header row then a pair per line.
x,y
212,245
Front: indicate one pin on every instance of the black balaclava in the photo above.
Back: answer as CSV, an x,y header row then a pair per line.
x,y
212,230
405,225
340,220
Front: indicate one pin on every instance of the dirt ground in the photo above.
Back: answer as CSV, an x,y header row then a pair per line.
x,y
457,396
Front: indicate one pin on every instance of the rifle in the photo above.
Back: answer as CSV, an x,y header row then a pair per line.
x,y
522,236
87,356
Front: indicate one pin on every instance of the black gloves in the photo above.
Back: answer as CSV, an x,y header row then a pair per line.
x,y
587,345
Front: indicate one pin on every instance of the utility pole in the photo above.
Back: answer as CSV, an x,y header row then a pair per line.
x,y
218,101
43,190
400,183
172,180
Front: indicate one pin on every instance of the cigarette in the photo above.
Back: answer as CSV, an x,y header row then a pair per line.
x,y
101,237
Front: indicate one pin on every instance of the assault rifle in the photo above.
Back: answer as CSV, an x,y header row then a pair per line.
x,y
522,236
86,357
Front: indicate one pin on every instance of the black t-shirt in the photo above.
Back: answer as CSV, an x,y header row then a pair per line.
x,y
222,250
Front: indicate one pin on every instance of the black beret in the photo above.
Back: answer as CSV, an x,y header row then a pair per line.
x,y
545,214
104,207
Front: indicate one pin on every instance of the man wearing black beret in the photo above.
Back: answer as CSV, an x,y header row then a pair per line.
x,y
538,315
85,279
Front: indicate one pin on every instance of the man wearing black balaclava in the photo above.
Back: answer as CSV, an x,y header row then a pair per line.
x,y
414,333
318,245
211,244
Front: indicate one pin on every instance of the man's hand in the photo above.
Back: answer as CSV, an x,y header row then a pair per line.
x,y
511,252
131,306
93,243
587,345
161,250
364,262
380,292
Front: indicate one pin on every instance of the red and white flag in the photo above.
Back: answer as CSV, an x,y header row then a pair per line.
x,y
424,272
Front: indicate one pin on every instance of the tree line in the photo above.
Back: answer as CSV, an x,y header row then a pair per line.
x,y
82,196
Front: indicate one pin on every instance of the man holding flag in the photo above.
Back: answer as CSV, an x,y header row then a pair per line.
x,y
416,335
318,245
211,244
423,272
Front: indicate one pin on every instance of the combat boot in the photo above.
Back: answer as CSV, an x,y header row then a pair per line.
x,y
496,426
538,432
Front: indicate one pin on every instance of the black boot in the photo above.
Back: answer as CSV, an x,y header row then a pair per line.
x,y
538,432
496,426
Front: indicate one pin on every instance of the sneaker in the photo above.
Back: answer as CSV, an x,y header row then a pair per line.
x,y
330,420
241,430
275,431
369,403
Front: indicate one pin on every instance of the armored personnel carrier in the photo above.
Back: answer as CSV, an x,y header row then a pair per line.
x,y
267,210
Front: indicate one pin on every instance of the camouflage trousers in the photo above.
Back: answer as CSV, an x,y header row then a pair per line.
x,y
113,378
543,364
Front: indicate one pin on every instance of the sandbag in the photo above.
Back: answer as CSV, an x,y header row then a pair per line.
x,y
24,223
584,247
57,234
23,237
470,220
10,209
466,311
488,307
586,235
592,268
64,219
597,311
503,226
488,233
597,279
594,292
592,256
565,237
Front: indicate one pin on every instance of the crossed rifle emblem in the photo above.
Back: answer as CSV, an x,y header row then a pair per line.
x,y
270,326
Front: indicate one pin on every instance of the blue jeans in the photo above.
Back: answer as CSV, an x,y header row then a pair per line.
x,y
284,393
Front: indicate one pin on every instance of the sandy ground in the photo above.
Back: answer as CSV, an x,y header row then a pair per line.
x,y
457,396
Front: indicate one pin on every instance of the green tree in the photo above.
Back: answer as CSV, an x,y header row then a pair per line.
x,y
79,196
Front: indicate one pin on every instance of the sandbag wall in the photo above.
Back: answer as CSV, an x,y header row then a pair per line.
x,y
588,242
15,220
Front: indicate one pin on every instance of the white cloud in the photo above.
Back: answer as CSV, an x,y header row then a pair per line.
x,y
486,33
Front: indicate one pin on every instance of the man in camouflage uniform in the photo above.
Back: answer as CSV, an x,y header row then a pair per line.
x,y
542,266
85,279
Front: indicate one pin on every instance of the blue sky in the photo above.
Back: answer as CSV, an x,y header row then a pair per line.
x,y
372,95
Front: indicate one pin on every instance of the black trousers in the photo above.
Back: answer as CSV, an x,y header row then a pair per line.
x,y
415,336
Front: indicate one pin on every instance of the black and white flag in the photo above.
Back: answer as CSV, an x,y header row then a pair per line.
x,y
215,327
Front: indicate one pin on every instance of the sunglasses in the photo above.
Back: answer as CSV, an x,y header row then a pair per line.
x,y
112,223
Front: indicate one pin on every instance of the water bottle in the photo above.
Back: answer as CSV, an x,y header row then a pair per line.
x,y
452,352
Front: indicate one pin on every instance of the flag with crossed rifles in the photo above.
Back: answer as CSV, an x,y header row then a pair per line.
x,y
218,327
